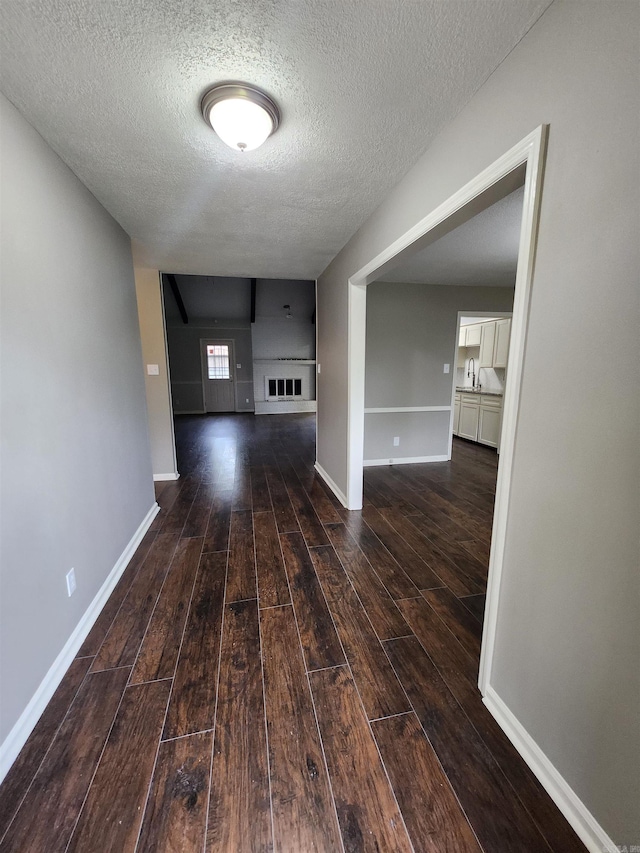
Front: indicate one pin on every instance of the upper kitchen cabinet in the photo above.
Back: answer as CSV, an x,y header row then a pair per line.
x,y
473,335
501,344
487,339
469,336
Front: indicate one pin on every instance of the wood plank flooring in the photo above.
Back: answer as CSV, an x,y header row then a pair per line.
x,y
275,674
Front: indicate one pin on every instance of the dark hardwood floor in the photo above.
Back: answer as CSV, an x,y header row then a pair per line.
x,y
274,673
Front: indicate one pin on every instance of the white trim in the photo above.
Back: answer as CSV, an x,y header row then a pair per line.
x,y
578,815
166,359
172,476
458,208
407,409
531,151
356,355
284,407
332,485
303,361
405,460
25,724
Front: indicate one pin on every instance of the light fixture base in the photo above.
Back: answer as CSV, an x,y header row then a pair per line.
x,y
238,91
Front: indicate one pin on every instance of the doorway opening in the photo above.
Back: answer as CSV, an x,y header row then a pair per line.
x,y
521,166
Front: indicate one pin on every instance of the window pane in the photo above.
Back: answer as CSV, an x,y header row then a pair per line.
x,y
289,384
272,387
281,387
218,361
297,387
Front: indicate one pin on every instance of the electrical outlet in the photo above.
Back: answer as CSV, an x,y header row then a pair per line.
x,y
446,368
247,400
396,441
71,581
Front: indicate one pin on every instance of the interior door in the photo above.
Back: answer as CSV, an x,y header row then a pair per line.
x,y
218,377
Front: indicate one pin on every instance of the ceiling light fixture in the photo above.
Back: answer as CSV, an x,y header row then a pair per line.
x,y
242,116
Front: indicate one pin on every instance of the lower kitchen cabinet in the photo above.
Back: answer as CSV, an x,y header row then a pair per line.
x,y
489,425
469,417
478,417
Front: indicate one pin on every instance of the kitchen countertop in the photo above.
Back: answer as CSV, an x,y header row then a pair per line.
x,y
460,390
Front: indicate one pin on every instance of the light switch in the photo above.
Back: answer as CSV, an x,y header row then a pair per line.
x,y
239,366
153,370
318,368
446,368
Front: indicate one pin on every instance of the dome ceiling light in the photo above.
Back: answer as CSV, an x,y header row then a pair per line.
x,y
242,116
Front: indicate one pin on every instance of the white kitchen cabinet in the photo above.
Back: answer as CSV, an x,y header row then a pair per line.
x,y
501,343
487,339
478,417
462,336
473,335
489,420
469,417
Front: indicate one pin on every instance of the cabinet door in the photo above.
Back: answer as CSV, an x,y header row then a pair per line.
x,y
468,423
456,417
473,335
489,425
487,338
462,337
501,345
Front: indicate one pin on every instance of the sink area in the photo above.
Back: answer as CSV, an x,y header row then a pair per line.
x,y
461,390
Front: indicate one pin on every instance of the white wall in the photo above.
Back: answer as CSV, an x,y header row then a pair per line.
x,y
566,661
154,351
411,335
76,466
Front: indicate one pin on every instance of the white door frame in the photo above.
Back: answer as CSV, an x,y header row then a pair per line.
x,y
527,155
232,368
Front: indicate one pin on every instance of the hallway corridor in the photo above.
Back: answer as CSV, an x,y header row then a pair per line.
x,y
275,673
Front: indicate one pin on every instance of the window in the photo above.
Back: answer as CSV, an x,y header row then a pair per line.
x,y
277,389
218,361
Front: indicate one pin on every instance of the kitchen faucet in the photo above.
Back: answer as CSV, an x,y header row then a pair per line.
x,y
472,372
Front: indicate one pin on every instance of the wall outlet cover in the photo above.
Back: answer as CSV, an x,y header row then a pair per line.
x,y
153,370
396,441
446,368
71,582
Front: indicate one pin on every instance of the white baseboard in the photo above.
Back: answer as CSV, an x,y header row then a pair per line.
x,y
18,735
578,815
405,460
161,477
334,488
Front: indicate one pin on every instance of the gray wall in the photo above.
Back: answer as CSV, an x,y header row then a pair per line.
x,y
186,367
411,335
566,660
76,466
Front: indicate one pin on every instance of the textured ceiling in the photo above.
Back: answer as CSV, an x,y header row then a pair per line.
x,y
482,252
229,299
114,87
